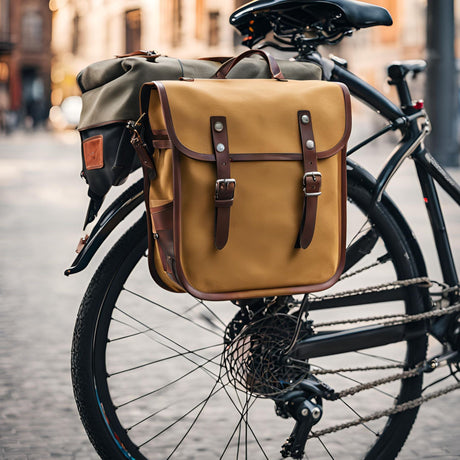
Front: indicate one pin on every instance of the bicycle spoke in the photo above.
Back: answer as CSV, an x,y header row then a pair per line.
x,y
244,416
169,310
147,418
213,313
356,413
194,352
204,401
128,336
383,358
168,384
164,337
325,448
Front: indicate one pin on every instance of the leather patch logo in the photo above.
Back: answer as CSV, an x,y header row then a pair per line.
x,y
93,152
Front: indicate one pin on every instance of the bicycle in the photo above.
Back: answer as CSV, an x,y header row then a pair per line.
x,y
147,388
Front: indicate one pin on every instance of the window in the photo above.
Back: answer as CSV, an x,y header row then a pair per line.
x,y
176,22
199,16
76,34
32,29
4,20
213,38
133,30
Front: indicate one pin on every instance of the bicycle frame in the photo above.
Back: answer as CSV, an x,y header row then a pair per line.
x,y
428,170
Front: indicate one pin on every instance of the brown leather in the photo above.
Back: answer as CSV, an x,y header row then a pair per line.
x,y
141,149
311,181
81,243
161,139
275,70
162,219
140,53
161,144
160,133
225,185
93,152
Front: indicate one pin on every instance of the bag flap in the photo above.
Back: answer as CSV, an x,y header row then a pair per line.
x,y
111,88
261,116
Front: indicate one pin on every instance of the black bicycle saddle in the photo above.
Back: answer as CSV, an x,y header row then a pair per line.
x,y
304,13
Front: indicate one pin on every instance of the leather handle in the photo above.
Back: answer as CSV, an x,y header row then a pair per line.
x,y
273,66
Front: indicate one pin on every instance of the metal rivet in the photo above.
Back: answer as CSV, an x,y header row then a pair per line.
x,y
310,144
305,119
220,147
218,126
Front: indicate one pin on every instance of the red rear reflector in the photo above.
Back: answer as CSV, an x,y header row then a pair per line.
x,y
419,105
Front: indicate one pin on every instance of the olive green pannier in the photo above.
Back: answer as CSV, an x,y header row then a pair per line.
x,y
110,95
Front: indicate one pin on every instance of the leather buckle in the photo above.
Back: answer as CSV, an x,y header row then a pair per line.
x,y
312,187
225,189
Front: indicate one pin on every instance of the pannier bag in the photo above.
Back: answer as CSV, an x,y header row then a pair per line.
x,y
247,187
110,96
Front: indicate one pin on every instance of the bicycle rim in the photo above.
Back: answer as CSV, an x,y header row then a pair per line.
x,y
148,381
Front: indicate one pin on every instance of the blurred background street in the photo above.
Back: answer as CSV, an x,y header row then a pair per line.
x,y
43,44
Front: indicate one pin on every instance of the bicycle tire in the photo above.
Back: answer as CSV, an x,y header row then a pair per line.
x,y
99,403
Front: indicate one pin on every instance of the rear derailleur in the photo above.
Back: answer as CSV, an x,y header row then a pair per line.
x,y
304,404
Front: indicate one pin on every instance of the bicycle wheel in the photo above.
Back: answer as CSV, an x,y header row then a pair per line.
x,y
149,381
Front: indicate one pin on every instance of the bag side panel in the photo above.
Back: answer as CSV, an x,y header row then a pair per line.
x,y
160,198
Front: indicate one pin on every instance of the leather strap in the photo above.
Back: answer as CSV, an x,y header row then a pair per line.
x,y
225,185
311,180
273,66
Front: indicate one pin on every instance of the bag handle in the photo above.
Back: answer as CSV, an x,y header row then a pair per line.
x,y
273,66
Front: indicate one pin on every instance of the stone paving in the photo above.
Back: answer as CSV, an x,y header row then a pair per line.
x,y
42,205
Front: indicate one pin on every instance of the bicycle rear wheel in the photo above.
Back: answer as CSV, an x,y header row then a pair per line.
x,y
147,374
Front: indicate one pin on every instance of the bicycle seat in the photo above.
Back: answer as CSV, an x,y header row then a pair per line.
x,y
303,13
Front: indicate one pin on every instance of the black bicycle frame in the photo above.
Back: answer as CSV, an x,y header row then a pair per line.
x,y
428,170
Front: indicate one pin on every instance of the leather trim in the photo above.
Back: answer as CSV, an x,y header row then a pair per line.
x,y
93,152
158,85
161,144
160,134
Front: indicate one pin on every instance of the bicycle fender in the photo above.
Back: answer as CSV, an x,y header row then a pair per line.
x,y
129,200
362,176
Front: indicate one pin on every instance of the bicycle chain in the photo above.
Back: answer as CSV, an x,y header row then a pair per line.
x,y
402,319
392,411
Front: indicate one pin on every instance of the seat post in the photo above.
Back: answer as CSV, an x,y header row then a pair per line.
x,y
397,72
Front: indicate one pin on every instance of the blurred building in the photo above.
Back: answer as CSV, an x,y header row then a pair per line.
x,y
25,61
85,31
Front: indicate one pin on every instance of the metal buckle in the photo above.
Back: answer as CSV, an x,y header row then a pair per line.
x,y
225,189
315,175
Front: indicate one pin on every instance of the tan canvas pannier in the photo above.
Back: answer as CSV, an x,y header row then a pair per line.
x,y
249,194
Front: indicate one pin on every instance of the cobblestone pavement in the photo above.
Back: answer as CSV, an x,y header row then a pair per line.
x,y
42,204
